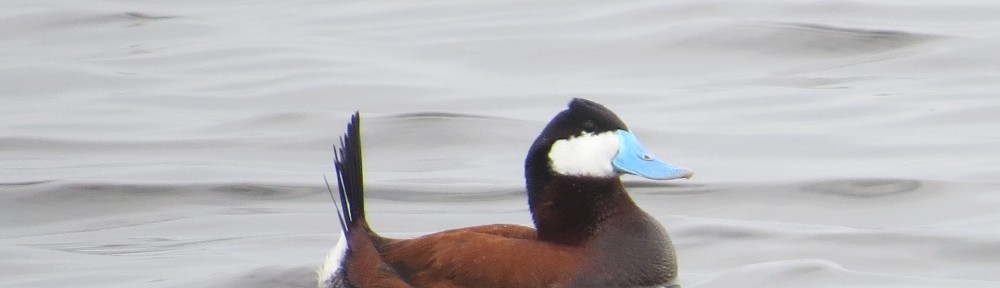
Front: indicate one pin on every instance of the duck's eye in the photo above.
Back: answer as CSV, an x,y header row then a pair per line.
x,y
589,125
647,157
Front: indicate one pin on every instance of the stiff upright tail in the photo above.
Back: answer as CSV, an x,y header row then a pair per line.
x,y
356,260
350,179
351,196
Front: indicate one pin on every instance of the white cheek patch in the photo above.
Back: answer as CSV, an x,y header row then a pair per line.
x,y
585,155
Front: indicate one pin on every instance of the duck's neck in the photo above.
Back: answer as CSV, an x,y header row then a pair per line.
x,y
571,210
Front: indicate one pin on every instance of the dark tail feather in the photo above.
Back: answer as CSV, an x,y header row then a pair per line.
x,y
350,179
362,265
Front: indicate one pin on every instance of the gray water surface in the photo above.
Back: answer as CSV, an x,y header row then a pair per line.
x,y
184,143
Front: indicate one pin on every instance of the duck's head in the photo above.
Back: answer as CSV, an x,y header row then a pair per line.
x,y
588,140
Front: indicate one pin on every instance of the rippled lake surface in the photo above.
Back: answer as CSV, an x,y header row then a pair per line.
x,y
184,143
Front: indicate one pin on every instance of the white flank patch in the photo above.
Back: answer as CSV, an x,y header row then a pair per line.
x,y
585,155
333,260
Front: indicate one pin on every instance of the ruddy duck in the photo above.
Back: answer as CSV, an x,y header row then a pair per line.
x,y
588,231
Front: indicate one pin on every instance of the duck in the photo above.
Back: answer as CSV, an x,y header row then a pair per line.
x,y
588,231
